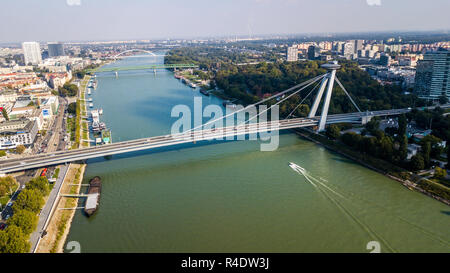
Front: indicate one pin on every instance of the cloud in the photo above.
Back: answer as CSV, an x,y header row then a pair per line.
x,y
374,2
73,2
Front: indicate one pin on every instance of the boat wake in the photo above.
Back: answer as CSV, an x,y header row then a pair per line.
x,y
315,182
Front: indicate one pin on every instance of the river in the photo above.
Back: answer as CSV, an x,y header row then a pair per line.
x,y
230,196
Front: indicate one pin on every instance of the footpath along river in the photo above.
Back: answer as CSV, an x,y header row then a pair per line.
x,y
230,196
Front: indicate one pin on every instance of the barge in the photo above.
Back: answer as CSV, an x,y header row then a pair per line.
x,y
93,195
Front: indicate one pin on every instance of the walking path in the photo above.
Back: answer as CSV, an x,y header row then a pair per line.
x,y
48,209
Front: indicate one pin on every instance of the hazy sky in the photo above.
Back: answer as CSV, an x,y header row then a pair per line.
x,y
66,20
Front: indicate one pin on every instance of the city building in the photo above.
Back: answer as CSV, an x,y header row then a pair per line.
x,y
348,49
432,75
55,49
49,106
17,132
20,112
18,79
358,45
56,80
292,53
385,60
32,53
38,117
313,52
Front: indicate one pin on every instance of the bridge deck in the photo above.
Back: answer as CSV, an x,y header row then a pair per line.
x,y
61,157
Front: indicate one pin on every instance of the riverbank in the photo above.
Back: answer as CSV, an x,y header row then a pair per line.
x,y
59,226
393,172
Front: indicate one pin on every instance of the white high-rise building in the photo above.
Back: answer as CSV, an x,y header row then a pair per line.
x,y
32,52
292,53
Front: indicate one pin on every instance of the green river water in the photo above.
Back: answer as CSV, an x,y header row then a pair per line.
x,y
230,196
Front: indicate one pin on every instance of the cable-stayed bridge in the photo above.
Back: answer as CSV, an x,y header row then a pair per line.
x,y
204,133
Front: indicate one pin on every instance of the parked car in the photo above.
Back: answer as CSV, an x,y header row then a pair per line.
x,y
2,226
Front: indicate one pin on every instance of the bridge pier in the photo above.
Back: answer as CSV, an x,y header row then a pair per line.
x,y
365,119
328,81
316,103
326,105
117,74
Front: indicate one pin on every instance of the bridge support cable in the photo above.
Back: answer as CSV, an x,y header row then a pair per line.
x,y
310,92
262,101
262,112
348,95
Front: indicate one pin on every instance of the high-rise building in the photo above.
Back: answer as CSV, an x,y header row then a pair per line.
x,y
385,60
32,53
55,49
433,75
358,45
292,53
348,49
313,52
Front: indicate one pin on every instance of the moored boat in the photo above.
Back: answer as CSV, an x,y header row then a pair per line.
x,y
93,199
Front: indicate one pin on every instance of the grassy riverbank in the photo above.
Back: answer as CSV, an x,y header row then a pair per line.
x,y
408,179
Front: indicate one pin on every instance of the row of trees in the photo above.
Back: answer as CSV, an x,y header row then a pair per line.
x,y
15,238
252,82
392,144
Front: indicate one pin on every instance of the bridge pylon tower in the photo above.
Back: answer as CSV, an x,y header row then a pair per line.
x,y
328,83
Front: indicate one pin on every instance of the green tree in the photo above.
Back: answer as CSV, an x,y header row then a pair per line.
x,y
39,183
25,220
303,110
426,151
402,123
440,173
6,185
448,154
436,148
386,147
403,149
72,108
29,199
68,90
333,131
417,163
443,99
80,74
5,114
13,240
2,153
20,149
373,125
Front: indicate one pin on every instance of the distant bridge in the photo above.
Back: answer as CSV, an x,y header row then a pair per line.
x,y
153,67
143,67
